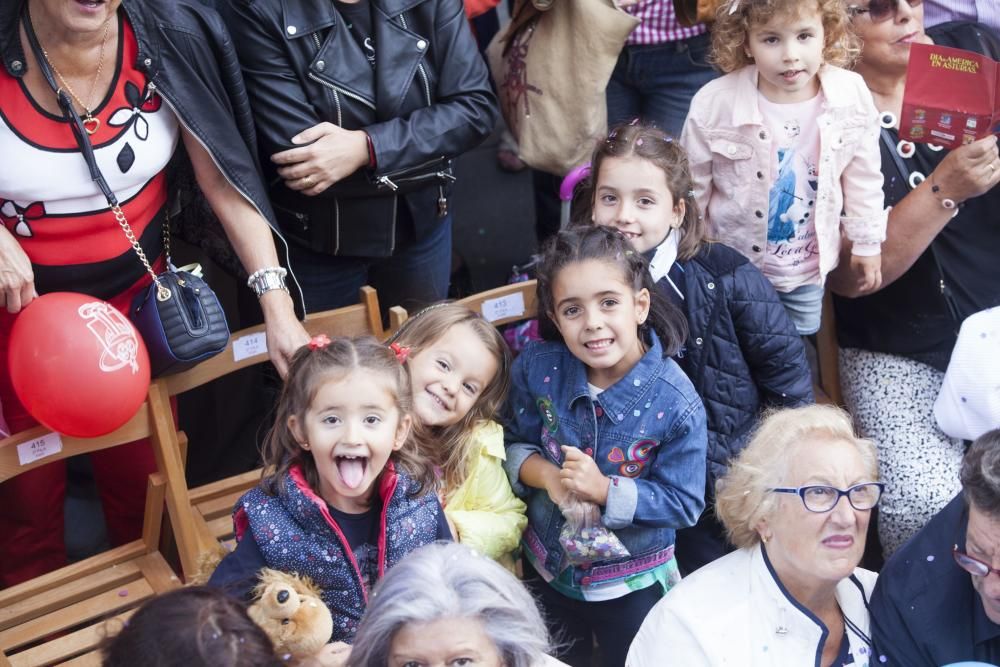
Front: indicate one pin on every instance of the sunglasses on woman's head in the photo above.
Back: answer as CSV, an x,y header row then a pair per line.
x,y
880,10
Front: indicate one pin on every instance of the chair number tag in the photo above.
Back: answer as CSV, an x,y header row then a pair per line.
x,y
505,306
245,347
39,448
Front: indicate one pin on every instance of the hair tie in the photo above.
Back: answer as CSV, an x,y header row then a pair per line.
x,y
402,353
319,342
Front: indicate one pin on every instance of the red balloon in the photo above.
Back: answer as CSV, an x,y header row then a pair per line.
x,y
77,364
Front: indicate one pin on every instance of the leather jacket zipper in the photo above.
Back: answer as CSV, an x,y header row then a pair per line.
x,y
442,201
343,92
386,180
340,123
274,229
336,95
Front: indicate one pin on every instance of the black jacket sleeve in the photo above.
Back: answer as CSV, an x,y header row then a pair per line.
x,y
770,343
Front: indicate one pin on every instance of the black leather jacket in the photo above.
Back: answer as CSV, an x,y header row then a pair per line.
x,y
427,100
187,53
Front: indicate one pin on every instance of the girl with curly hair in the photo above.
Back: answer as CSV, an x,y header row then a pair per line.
x,y
784,148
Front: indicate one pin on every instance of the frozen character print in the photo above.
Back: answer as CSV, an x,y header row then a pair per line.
x,y
779,227
812,176
797,214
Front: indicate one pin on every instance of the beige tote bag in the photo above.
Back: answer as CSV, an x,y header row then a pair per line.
x,y
551,69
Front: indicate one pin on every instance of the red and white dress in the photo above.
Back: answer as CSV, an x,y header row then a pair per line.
x,y
64,224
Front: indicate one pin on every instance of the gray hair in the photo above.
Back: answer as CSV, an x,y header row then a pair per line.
x,y
449,580
981,474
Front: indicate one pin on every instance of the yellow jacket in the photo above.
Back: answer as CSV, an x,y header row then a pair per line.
x,y
488,516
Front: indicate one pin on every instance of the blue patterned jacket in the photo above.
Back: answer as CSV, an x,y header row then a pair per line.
x,y
294,532
646,433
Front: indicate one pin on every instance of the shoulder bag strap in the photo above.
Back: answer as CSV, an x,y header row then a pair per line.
x,y
86,148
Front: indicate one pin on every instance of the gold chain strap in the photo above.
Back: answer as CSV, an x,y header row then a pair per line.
x,y
162,293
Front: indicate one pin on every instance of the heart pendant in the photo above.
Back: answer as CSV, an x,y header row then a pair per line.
x,y
90,124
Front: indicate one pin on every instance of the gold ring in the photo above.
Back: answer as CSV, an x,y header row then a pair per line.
x,y
308,180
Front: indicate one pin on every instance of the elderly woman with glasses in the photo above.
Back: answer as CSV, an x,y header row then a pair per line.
x,y
796,502
938,267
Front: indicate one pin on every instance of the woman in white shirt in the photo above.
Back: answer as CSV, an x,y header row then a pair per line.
x,y
797,503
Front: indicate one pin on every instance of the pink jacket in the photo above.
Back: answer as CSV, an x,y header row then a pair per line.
x,y
730,153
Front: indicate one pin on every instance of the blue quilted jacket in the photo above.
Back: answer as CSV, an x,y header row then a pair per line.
x,y
743,353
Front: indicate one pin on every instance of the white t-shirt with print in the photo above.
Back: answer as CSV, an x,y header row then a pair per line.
x,y
792,257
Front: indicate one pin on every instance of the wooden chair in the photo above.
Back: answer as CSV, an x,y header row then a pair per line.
x,y
202,519
60,617
498,306
506,304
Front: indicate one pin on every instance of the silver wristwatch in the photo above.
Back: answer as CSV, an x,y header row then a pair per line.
x,y
267,279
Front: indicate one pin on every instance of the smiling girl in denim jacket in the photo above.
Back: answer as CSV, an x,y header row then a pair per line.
x,y
784,149
600,413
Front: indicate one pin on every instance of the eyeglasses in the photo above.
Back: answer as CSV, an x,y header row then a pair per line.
x,y
821,499
973,566
880,10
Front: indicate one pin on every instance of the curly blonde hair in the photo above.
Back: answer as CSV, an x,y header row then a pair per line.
x,y
743,496
729,32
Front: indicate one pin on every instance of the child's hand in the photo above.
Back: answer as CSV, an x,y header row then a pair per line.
x,y
581,475
554,485
868,270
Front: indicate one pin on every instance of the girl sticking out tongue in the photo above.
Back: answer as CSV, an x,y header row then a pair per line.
x,y
344,493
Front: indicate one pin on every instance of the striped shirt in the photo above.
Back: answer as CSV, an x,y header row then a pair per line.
x,y
986,12
659,23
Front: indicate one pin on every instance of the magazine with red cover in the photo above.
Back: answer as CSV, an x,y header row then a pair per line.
x,y
950,97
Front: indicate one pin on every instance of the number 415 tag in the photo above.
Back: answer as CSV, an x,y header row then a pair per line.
x,y
39,448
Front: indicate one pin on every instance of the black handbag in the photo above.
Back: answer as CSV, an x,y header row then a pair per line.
x,y
179,316
180,320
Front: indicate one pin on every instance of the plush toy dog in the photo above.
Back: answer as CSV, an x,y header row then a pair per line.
x,y
290,611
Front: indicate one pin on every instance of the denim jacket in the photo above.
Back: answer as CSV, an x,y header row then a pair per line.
x,y
647,434
730,151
